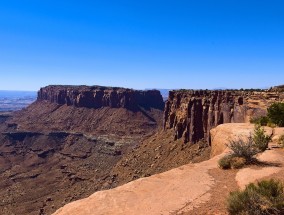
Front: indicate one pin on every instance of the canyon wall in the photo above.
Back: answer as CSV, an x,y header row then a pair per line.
x,y
193,113
97,97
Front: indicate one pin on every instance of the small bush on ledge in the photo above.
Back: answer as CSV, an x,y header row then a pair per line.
x,y
265,197
260,139
238,162
225,162
244,148
231,162
275,116
262,120
243,151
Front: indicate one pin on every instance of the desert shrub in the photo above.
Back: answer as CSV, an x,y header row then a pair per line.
x,y
265,197
231,162
225,162
244,148
237,162
262,120
260,139
270,124
281,140
276,113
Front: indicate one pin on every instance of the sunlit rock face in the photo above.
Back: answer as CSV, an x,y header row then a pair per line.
x,y
193,113
97,97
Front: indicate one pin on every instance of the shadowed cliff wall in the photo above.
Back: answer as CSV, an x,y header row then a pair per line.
x,y
193,113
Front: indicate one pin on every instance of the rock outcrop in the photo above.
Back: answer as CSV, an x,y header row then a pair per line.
x,y
223,134
193,113
98,96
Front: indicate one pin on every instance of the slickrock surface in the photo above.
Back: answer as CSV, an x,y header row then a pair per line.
x,y
184,190
193,113
272,157
176,190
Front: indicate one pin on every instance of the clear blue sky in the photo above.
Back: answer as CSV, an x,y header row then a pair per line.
x,y
142,44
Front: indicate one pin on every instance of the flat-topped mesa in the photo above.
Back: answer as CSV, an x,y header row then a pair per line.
x,y
192,113
98,96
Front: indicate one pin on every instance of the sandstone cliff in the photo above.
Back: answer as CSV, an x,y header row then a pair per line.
x,y
98,96
279,88
93,109
193,113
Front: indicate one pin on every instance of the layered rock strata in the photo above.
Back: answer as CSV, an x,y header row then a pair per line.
x,y
193,113
97,97
69,141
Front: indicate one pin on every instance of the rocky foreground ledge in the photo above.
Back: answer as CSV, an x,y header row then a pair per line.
x,y
199,188
98,96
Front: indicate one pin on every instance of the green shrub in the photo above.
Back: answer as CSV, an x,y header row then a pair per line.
x,y
262,120
237,162
225,162
271,125
276,114
231,162
265,197
281,140
243,151
244,148
260,139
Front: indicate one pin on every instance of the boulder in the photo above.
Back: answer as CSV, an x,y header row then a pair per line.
x,y
222,134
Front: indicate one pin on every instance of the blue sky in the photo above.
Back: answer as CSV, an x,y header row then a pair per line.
x,y
142,44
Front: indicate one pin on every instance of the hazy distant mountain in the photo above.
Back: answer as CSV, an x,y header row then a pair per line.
x,y
15,100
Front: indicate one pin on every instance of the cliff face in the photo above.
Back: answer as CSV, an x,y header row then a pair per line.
x,y
97,97
279,88
193,113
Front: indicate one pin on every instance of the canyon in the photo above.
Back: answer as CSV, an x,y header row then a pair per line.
x,y
54,152
77,140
